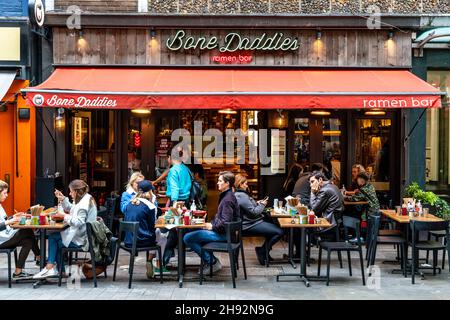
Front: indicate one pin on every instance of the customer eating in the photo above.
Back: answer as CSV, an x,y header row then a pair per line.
x,y
366,193
82,209
13,238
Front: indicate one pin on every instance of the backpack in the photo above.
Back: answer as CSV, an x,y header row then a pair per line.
x,y
196,192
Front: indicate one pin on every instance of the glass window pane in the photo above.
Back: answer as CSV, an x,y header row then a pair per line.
x,y
331,147
372,149
301,141
437,140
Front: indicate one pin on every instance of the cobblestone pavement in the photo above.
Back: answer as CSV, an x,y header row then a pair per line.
x,y
261,283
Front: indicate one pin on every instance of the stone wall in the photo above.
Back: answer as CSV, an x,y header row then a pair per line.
x,y
264,6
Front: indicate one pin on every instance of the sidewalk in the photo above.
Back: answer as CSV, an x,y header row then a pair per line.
x,y
261,283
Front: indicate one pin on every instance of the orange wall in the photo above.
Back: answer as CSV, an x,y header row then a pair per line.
x,y
22,186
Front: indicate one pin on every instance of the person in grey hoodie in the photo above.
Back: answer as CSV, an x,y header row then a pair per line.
x,y
254,222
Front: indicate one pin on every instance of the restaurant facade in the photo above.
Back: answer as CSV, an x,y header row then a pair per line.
x,y
330,91
19,22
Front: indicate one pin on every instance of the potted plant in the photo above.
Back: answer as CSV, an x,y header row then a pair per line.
x,y
439,207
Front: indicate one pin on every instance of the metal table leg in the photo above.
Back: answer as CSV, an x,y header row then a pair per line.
x,y
291,248
42,233
180,258
303,277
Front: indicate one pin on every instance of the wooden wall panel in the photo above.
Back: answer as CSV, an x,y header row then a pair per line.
x,y
135,47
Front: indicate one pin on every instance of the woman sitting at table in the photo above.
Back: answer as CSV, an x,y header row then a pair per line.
x,y
366,193
12,238
353,189
228,211
131,190
254,222
141,209
82,210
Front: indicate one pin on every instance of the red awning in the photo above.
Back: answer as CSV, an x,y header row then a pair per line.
x,y
130,88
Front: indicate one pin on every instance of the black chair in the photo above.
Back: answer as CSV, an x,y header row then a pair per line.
x,y
232,246
70,251
438,235
133,227
8,253
339,246
427,245
318,234
374,239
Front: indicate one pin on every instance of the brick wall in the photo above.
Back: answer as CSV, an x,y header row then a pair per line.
x,y
263,6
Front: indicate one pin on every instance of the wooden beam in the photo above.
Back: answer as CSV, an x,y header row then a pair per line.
x,y
287,21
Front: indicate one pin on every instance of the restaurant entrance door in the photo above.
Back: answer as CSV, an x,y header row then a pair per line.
x,y
318,138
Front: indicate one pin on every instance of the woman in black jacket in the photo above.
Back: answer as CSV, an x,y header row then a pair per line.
x,y
253,219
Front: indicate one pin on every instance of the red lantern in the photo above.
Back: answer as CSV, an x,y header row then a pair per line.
x,y
137,140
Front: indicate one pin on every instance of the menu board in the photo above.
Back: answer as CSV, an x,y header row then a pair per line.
x,y
163,146
77,132
278,151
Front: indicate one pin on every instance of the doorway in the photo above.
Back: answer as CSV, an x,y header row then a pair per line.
x,y
318,139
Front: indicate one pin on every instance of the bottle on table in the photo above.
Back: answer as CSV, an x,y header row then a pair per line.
x,y
343,190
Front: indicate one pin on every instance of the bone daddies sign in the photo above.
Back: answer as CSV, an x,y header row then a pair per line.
x,y
233,48
240,101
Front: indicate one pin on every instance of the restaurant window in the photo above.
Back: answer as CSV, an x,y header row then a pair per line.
x,y
437,136
134,144
210,119
301,141
372,149
331,147
93,150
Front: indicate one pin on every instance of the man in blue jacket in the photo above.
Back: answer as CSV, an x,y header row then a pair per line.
x,y
178,189
178,181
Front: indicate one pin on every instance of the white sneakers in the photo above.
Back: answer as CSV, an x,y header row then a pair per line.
x,y
45,273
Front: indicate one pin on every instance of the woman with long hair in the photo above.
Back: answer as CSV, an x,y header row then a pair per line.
x,y
131,190
254,222
82,209
294,173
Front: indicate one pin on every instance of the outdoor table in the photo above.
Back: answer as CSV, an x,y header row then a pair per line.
x,y
160,223
43,233
355,203
290,259
286,223
274,214
404,221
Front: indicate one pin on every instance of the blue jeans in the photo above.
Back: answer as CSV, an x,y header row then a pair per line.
x,y
54,249
196,239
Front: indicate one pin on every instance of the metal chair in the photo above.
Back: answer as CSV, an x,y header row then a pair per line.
x,y
339,246
437,236
65,250
428,245
8,253
133,227
232,246
374,239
